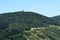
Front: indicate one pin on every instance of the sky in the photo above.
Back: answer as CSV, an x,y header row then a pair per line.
x,y
45,7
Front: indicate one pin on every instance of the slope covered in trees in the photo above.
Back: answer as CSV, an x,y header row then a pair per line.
x,y
13,24
25,19
56,17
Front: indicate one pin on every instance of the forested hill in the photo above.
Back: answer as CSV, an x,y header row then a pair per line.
x,y
13,24
56,18
25,19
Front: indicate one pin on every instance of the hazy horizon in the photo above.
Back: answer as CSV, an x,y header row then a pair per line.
x,y
45,7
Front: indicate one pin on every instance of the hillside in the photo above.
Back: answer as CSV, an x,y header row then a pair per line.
x,y
56,18
45,33
26,19
13,24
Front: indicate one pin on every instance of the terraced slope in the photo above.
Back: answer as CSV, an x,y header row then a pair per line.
x,y
49,33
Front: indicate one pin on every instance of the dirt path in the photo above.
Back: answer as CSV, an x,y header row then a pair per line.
x,y
38,38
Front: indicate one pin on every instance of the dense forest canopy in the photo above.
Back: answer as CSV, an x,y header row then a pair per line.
x,y
13,24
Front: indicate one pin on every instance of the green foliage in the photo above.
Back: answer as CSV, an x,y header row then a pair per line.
x,y
56,17
13,25
49,33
